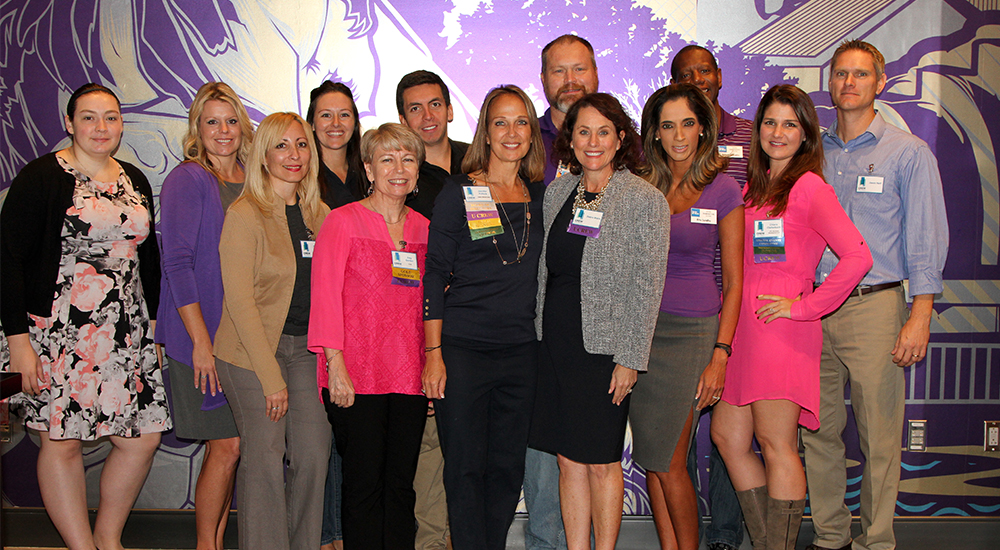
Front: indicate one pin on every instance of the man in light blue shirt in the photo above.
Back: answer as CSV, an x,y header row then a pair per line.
x,y
888,183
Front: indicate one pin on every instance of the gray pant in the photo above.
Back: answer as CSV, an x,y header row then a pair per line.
x,y
278,511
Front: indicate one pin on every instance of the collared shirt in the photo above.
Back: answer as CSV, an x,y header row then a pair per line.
x,y
432,177
736,132
549,134
905,224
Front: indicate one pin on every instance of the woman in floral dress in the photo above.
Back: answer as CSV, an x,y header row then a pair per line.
x,y
79,276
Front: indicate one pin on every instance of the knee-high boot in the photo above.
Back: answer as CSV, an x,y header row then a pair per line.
x,y
783,520
754,505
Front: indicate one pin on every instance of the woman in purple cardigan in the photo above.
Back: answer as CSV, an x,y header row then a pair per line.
x,y
193,202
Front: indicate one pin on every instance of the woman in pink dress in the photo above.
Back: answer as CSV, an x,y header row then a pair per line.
x,y
772,383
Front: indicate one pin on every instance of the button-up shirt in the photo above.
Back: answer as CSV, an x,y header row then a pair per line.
x,y
736,131
905,224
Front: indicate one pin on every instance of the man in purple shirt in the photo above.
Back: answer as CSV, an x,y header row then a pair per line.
x,y
888,182
696,65
569,72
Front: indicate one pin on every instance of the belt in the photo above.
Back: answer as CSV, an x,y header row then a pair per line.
x,y
868,289
862,290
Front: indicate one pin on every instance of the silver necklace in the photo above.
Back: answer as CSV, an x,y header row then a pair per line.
x,y
521,248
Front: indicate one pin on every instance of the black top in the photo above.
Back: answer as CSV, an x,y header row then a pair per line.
x,y
337,192
31,241
486,301
432,178
297,321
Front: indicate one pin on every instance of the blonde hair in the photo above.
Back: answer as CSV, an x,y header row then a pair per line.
x,y
877,58
391,136
194,147
257,187
478,156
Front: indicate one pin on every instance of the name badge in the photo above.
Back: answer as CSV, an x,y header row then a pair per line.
x,y
731,151
404,268
870,184
768,241
706,216
481,212
586,222
307,248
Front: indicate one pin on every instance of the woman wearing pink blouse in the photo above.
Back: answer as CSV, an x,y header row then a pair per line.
x,y
367,322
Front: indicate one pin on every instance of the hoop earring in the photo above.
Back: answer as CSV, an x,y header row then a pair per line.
x,y
415,192
371,188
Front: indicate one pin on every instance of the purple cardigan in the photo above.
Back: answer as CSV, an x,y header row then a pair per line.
x,y
190,226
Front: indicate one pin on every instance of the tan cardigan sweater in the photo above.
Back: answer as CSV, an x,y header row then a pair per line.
x,y
258,276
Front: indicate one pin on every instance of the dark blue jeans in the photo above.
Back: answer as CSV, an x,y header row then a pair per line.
x,y
331,500
726,524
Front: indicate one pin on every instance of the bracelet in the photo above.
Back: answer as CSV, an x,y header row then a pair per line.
x,y
724,347
432,348
332,355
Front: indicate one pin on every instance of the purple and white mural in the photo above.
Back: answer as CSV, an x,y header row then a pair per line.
x,y
944,79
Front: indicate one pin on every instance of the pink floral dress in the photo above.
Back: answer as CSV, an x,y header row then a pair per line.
x,y
96,349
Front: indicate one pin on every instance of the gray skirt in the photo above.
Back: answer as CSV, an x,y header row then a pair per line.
x,y
664,395
190,422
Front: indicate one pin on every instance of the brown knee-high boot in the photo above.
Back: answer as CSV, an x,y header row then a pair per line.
x,y
754,505
783,520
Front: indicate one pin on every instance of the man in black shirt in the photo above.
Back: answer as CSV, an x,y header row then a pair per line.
x,y
424,105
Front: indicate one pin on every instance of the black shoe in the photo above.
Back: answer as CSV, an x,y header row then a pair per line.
x,y
721,546
815,547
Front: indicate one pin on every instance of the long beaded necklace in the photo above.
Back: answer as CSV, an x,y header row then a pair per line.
x,y
595,204
521,248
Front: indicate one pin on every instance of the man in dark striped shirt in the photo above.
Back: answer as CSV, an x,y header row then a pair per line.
x,y
696,65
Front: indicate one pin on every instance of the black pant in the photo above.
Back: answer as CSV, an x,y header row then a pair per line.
x,y
483,423
378,439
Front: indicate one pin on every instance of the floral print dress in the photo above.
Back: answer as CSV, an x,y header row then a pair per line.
x,y
96,349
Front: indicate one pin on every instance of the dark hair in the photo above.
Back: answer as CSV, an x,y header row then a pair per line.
x,y
565,39
707,162
809,157
690,47
629,155
354,163
88,88
477,158
419,78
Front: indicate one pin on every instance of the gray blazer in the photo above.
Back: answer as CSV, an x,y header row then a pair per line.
x,y
621,278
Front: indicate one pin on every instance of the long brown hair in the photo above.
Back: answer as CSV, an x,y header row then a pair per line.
x,y
354,163
707,162
478,156
809,157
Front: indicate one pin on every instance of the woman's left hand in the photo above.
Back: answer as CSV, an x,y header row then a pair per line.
x,y
779,307
713,378
622,380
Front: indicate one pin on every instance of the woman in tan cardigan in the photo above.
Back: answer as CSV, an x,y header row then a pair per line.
x,y
267,371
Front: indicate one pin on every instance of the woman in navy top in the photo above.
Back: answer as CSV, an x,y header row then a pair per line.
x,y
479,309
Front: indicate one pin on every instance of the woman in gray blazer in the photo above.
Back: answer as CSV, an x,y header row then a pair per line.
x,y
599,286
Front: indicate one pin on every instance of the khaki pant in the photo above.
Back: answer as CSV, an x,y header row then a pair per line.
x,y
857,339
432,508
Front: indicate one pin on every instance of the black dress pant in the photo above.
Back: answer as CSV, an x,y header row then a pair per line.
x,y
483,423
378,439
